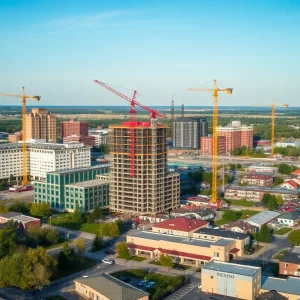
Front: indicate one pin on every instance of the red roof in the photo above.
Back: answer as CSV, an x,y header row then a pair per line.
x,y
234,250
296,172
181,224
188,255
140,247
292,183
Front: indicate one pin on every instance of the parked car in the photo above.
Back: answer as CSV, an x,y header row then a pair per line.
x,y
250,251
199,286
107,261
110,252
180,268
142,282
149,284
124,279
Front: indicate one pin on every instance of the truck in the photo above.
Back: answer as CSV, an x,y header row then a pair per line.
x,y
20,188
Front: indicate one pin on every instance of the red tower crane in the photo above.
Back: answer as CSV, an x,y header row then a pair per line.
x,y
153,114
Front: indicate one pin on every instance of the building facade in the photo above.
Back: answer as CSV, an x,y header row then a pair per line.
x,y
188,132
60,191
15,137
231,280
73,127
258,179
237,135
207,145
101,136
87,140
17,217
42,158
41,124
289,264
152,189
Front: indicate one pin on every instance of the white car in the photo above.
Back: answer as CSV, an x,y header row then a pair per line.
x,y
107,261
199,286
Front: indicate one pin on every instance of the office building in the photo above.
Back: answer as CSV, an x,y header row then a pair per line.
x,y
231,280
101,136
237,135
65,189
207,145
188,132
42,158
151,189
41,124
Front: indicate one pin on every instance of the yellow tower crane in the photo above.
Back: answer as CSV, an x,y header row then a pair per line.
x,y
24,147
273,106
215,91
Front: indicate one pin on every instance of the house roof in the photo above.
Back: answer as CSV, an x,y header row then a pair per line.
x,y
296,172
292,183
240,224
181,224
263,217
290,216
289,285
184,254
272,295
10,214
234,250
223,233
112,288
140,247
290,257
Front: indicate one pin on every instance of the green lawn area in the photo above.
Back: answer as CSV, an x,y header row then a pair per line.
x,y
164,283
85,263
280,254
60,243
282,231
90,227
241,203
134,258
245,213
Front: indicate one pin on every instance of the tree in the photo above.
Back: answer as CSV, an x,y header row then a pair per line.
x,y
20,207
294,237
3,208
277,181
52,235
77,216
166,260
285,169
8,242
266,198
40,209
279,200
109,229
97,243
41,276
230,215
66,257
80,245
272,204
123,251
264,235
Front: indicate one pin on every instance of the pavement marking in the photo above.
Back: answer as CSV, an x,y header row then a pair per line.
x,y
182,292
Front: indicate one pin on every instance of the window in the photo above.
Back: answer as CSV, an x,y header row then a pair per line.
x,y
286,265
216,254
211,277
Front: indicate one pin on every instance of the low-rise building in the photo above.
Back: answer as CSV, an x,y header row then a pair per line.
x,y
289,287
241,239
290,219
261,169
231,280
289,264
262,218
205,202
240,226
107,287
258,179
179,226
296,173
183,249
15,137
58,188
101,136
26,221
254,193
290,184
193,212
86,140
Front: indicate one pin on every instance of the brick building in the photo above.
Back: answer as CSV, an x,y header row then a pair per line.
x,y
15,137
207,145
258,179
289,264
20,219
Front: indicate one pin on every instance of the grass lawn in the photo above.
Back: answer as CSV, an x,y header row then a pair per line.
x,y
80,266
134,258
164,283
282,231
280,254
246,213
60,243
241,203
90,227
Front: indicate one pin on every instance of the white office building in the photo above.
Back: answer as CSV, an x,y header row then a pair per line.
x,y
101,136
42,158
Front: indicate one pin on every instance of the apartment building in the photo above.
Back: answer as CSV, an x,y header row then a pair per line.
x,y
15,137
289,263
41,124
258,179
42,158
188,131
254,193
237,135
101,136
152,188
262,169
207,145
73,127
65,189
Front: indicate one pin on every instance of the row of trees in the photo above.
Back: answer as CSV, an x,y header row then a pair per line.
x,y
244,151
271,201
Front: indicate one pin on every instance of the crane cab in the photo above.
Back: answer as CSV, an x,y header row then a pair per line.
x,y
229,91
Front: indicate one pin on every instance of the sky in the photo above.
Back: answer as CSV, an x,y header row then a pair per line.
x,y
160,48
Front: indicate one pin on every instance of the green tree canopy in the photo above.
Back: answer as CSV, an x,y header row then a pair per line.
x,y
294,237
8,242
97,243
109,229
21,207
166,260
230,215
264,235
285,169
122,251
277,181
66,258
40,209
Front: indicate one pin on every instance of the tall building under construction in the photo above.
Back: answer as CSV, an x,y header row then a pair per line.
x,y
151,189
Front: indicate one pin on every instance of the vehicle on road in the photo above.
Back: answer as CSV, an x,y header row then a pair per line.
x,y
110,252
142,283
180,268
150,284
124,279
107,261
85,276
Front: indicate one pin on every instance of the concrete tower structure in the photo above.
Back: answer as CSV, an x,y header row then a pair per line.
x,y
152,189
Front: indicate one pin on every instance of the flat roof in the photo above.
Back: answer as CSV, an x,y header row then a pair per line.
x,y
223,233
177,239
244,270
263,189
50,146
289,285
10,214
87,184
23,218
66,171
263,217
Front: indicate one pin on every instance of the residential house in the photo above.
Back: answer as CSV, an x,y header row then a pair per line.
x,y
289,264
290,219
258,179
290,184
262,218
26,221
240,226
193,212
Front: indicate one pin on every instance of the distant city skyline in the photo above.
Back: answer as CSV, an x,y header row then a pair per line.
x,y
160,48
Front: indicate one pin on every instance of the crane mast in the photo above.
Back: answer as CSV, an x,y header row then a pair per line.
x,y
23,97
215,91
